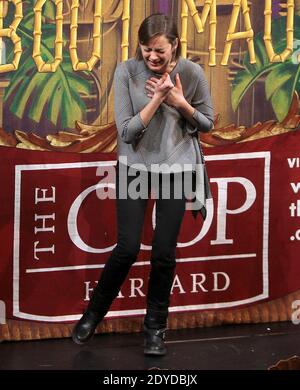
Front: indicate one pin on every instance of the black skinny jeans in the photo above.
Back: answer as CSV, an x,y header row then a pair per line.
x,y
130,220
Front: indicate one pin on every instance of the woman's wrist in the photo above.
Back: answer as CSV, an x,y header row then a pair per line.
x,y
150,109
181,104
186,109
159,98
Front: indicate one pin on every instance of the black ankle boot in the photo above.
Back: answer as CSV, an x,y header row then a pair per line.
x,y
86,326
154,341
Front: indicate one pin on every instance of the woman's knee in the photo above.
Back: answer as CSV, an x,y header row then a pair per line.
x,y
163,255
126,252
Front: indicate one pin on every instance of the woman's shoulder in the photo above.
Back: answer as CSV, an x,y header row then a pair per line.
x,y
193,68
131,67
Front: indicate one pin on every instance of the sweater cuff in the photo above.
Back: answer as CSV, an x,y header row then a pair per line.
x,y
142,127
203,123
141,122
134,129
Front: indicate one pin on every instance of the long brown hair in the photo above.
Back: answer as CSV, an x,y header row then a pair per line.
x,y
155,25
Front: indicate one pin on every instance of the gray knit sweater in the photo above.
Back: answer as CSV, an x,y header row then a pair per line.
x,y
169,138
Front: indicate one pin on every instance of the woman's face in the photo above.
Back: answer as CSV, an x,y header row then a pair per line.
x,y
158,53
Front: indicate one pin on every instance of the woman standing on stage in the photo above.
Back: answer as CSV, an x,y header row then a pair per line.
x,y
162,101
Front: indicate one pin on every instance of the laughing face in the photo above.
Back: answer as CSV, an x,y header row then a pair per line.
x,y
158,54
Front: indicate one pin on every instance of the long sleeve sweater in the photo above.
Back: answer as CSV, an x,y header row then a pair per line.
x,y
169,138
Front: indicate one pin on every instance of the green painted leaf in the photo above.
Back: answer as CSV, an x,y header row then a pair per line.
x,y
282,78
282,99
46,92
35,95
48,36
36,83
54,106
79,84
27,67
49,10
278,77
243,81
14,107
260,55
70,113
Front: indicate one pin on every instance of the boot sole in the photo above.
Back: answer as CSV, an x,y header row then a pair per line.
x,y
80,342
154,353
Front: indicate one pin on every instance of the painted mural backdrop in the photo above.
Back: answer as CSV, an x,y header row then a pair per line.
x,y
57,131
50,102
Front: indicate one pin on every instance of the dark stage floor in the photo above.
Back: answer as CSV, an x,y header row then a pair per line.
x,y
232,347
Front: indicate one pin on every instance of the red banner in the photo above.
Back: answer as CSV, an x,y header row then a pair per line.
x,y
56,234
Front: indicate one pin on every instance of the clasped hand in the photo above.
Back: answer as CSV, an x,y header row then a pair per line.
x,y
171,94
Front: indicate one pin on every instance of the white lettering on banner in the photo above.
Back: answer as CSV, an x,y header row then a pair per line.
x,y
294,207
177,284
37,250
295,187
88,290
72,220
223,211
135,288
197,283
189,281
44,198
43,229
120,295
219,281
217,276
294,162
